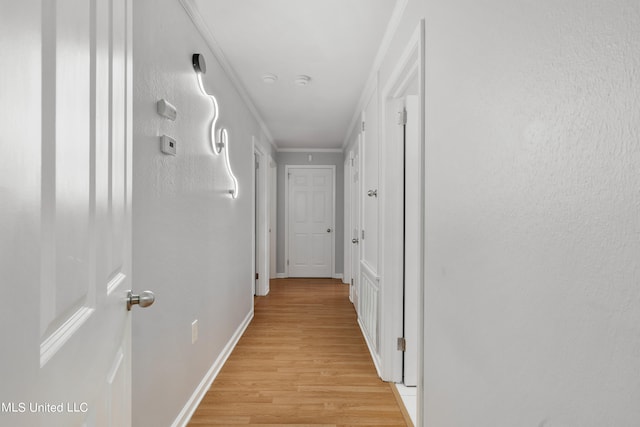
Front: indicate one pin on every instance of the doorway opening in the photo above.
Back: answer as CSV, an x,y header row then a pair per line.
x,y
402,106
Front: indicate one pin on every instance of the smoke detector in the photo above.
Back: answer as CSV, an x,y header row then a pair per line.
x,y
269,78
302,80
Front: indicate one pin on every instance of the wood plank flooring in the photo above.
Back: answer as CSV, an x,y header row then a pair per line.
x,y
302,361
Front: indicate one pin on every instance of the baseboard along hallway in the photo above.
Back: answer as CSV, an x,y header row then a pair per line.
x,y
302,360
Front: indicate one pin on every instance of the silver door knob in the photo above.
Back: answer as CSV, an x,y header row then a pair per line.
x,y
328,230
354,241
372,193
145,299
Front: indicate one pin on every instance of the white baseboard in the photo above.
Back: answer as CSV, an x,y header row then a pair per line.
x,y
281,275
337,276
374,356
187,412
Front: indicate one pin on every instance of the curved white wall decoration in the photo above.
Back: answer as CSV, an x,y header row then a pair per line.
x,y
221,140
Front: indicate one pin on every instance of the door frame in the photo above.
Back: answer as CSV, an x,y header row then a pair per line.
x,y
409,69
352,220
273,216
346,269
287,168
261,243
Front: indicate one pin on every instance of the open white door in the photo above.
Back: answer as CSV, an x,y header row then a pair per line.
x,y
356,192
369,277
65,221
310,220
412,235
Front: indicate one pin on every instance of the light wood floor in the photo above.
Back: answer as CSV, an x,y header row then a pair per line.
x,y
302,361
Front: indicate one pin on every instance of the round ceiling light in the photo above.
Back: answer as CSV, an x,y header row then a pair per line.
x,y
269,78
302,80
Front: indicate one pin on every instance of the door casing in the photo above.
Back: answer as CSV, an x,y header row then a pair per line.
x,y
286,212
261,241
407,75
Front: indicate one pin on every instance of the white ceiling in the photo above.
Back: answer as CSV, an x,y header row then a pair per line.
x,y
332,41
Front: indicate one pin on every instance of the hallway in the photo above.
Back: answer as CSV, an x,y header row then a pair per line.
x,y
301,361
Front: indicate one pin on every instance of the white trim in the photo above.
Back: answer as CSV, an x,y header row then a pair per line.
x,y
286,213
261,244
187,411
391,209
392,27
201,26
272,180
310,150
338,276
421,291
374,356
346,222
281,275
354,221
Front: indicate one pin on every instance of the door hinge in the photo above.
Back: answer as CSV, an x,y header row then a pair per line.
x,y
257,276
362,238
402,344
362,126
287,262
402,117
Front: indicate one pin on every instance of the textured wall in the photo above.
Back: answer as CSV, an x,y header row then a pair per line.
x,y
192,244
294,158
533,213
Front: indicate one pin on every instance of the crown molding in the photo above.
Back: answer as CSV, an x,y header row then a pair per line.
x,y
392,27
195,16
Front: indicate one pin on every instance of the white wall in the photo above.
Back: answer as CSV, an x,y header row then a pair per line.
x,y
192,244
532,287
532,127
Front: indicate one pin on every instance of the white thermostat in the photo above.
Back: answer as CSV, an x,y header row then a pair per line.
x,y
165,109
168,145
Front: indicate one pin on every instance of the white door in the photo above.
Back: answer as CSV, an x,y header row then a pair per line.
x,y
370,174
413,230
369,278
65,220
356,193
310,221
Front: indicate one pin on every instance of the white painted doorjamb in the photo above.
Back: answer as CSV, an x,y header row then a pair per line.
x,y
423,252
346,275
273,216
286,213
261,236
408,69
413,230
